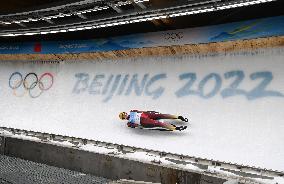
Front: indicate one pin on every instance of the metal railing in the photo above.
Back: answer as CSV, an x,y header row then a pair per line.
x,y
134,16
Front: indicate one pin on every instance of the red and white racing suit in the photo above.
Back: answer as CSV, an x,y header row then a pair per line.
x,y
148,119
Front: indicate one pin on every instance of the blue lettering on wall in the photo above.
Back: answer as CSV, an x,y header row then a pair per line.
x,y
113,88
260,90
123,85
233,90
106,86
186,89
157,92
203,82
82,83
112,85
96,84
134,84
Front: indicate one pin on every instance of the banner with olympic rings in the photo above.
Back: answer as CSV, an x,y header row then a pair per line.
x,y
234,102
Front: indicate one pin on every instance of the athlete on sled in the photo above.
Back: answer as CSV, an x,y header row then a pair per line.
x,y
150,119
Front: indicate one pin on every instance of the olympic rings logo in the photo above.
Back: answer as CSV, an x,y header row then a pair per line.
x,y
31,83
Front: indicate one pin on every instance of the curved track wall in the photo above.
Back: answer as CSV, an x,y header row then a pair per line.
x,y
234,102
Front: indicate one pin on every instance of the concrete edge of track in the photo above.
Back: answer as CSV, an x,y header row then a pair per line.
x,y
124,162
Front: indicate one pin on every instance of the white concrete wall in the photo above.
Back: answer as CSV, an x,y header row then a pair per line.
x,y
235,105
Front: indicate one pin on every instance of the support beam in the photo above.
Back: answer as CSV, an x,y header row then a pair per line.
x,y
231,182
82,16
2,23
2,145
21,24
157,22
118,10
49,21
167,21
141,5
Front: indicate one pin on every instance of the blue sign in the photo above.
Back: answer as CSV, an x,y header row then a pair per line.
x,y
266,27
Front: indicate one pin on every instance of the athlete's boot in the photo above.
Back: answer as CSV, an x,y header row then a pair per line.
x,y
180,128
183,119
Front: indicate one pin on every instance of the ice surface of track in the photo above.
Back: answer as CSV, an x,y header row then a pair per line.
x,y
234,102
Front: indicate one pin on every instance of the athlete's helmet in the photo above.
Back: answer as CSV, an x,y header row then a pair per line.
x,y
122,115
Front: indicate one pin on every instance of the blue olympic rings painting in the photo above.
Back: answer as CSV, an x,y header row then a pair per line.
x,y
29,83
